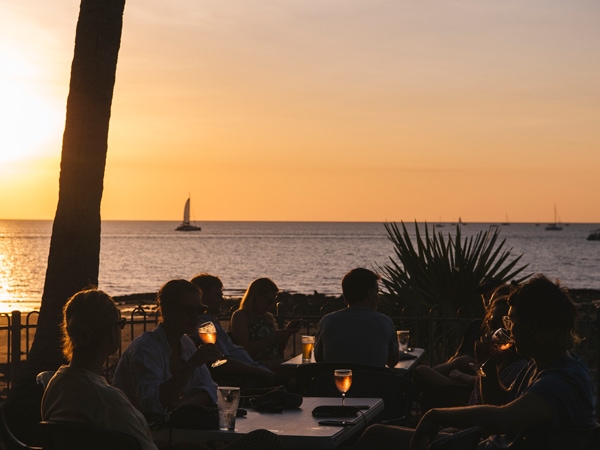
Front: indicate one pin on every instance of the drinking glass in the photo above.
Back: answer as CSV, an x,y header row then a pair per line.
x,y
308,343
208,334
501,342
403,338
228,399
343,381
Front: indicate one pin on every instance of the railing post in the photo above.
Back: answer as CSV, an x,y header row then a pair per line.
x,y
15,351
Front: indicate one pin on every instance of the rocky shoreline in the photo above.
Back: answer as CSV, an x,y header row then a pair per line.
x,y
586,298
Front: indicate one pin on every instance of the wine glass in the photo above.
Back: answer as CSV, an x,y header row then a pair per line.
x,y
208,334
501,342
343,381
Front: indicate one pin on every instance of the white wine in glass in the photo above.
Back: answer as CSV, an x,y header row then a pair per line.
x,y
208,334
501,342
343,381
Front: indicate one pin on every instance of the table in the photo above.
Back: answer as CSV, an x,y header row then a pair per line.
x,y
403,365
297,428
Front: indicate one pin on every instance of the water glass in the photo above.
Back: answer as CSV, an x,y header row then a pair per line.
x,y
403,338
308,344
228,400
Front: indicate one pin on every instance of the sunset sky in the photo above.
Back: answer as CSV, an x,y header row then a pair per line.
x,y
318,110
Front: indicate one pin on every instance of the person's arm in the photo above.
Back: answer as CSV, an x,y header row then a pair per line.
x,y
171,390
528,411
393,351
492,391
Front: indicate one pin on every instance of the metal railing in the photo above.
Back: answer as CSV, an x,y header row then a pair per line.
x,y
438,334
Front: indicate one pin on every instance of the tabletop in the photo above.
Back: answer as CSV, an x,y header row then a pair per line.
x,y
297,428
404,364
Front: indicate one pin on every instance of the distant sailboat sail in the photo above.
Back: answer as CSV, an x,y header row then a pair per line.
x,y
554,226
186,225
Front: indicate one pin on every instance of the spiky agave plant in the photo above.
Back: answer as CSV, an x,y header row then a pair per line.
x,y
445,271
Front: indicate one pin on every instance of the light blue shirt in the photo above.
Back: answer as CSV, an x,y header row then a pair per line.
x,y
144,366
226,345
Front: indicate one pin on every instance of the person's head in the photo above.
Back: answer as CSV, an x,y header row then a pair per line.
x,y
487,288
260,296
91,324
180,305
360,286
212,291
542,316
497,308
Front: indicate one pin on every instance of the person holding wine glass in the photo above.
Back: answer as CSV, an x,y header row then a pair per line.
x,y
552,393
162,369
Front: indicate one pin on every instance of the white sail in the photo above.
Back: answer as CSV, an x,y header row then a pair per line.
x,y
186,212
186,225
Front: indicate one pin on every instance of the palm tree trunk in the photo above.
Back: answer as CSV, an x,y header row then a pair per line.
x,y
73,261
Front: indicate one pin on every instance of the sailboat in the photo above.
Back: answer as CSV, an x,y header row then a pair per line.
x,y
186,225
554,226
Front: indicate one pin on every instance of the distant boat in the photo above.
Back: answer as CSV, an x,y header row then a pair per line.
x,y
594,235
554,226
440,224
186,225
507,221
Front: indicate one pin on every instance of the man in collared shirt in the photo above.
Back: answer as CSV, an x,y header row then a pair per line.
x,y
162,369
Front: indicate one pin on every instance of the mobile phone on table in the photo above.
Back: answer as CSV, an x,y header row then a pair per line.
x,y
336,423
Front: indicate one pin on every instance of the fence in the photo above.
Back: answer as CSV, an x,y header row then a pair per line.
x,y
438,334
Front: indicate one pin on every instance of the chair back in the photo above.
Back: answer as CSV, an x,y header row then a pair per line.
x,y
78,436
8,439
396,390
571,439
43,378
461,440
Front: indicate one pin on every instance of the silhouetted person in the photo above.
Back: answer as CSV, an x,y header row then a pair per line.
x,y
358,333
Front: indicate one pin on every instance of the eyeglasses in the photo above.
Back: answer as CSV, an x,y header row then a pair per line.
x,y
508,322
121,322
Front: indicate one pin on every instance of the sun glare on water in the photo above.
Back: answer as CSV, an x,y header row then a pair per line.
x,y
28,120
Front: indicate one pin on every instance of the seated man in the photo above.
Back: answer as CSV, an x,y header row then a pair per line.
x,y
552,393
358,333
162,369
241,369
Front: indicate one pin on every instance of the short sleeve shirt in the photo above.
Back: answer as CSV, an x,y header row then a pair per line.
x,y
356,334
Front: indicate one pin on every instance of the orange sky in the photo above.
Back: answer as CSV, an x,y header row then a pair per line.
x,y
357,110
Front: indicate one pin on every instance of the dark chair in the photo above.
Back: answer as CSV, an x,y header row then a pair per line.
x,y
43,378
78,436
461,440
396,390
255,440
573,439
8,439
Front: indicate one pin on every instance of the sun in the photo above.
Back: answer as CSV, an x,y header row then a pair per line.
x,y
29,119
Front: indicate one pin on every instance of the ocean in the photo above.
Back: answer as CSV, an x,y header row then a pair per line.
x,y
139,256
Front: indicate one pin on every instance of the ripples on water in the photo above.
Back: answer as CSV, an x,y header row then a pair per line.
x,y
299,256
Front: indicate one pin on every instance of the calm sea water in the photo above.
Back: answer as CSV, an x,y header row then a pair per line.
x,y
138,257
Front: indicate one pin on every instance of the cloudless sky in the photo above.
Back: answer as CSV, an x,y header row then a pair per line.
x,y
332,110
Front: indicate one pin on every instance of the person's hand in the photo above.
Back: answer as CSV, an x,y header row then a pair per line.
x,y
205,353
461,363
426,431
